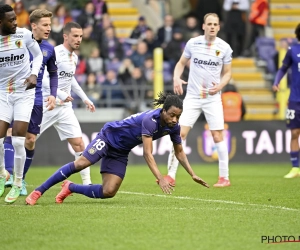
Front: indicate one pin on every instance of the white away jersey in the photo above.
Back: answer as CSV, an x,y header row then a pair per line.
x,y
66,66
206,63
15,60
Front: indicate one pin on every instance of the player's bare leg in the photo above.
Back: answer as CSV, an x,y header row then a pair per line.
x,y
78,146
294,154
223,158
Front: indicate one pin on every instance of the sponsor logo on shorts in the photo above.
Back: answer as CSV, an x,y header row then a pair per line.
x,y
92,151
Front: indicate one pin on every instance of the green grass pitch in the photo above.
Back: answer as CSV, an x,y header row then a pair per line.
x,y
259,203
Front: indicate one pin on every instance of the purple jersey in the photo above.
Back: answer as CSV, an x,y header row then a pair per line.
x,y
49,60
127,133
292,59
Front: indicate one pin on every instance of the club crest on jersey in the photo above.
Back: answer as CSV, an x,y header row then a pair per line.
x,y
217,52
18,43
165,133
92,151
45,53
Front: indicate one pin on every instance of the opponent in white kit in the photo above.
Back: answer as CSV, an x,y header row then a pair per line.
x,y
62,117
17,91
210,70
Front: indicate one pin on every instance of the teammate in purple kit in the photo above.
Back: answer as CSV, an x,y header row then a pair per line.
x,y
292,60
113,144
40,20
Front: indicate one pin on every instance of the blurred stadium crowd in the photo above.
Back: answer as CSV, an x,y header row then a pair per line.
x,y
118,71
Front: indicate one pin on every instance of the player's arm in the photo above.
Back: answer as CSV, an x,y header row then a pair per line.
x,y
177,81
37,61
147,153
225,78
53,81
287,62
182,158
78,91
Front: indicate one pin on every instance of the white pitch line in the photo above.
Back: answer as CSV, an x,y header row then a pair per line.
x,y
209,200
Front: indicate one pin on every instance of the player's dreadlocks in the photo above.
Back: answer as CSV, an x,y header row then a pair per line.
x,y
168,100
3,9
297,32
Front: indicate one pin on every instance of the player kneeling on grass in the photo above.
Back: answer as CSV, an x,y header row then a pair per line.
x,y
113,144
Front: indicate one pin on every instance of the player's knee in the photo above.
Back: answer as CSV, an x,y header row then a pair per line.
x,y
109,191
30,142
295,134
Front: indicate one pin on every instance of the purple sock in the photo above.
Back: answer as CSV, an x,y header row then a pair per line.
x,y
295,159
92,191
9,155
60,175
29,158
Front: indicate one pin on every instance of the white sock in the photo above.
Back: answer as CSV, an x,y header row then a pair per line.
x,y
2,168
223,159
84,173
20,157
172,164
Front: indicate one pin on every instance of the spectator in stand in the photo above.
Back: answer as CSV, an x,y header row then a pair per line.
x,y
112,90
207,6
111,48
125,70
140,30
150,40
22,15
92,88
87,17
235,24
56,33
258,18
81,64
62,14
164,33
87,44
140,54
95,63
148,70
191,26
100,9
174,49
233,104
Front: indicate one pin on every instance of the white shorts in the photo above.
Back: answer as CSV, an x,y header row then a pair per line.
x,y
16,106
212,109
64,121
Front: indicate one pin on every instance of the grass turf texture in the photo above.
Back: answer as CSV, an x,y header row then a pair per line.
x,y
259,202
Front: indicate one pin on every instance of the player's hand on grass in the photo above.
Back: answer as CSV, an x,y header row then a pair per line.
x,y
200,181
165,186
30,82
275,88
50,102
69,99
90,106
177,86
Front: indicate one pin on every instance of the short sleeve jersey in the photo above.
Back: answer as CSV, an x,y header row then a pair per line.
x,y
15,60
66,67
206,64
127,133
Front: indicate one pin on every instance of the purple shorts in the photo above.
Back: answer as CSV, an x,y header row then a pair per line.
x,y
293,115
113,161
34,126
